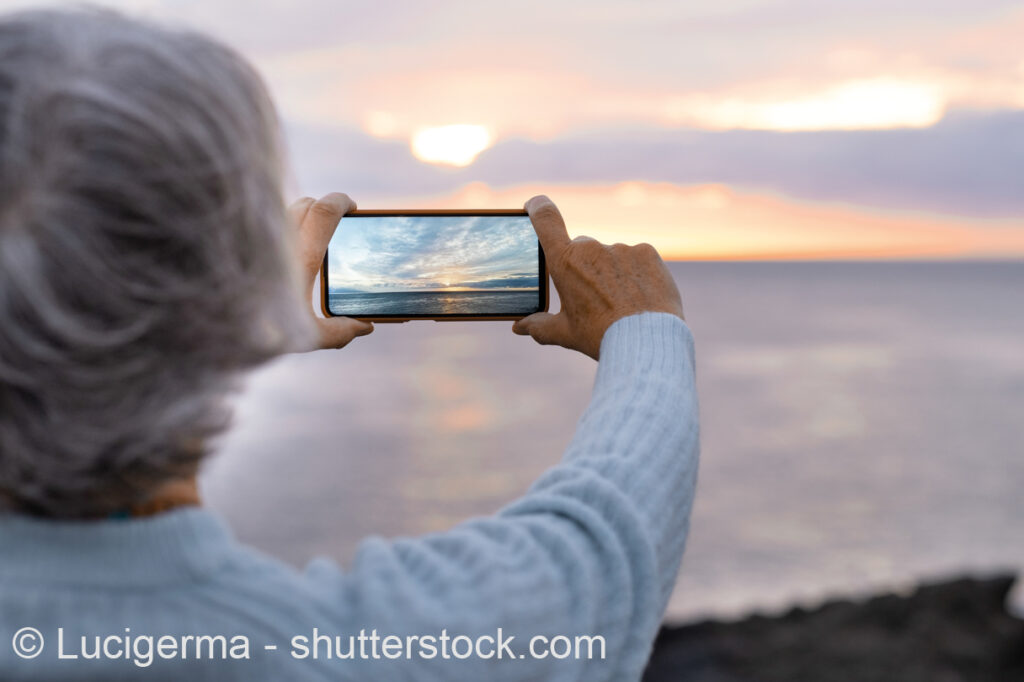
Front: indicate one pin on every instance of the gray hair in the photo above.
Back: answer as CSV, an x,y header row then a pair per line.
x,y
145,259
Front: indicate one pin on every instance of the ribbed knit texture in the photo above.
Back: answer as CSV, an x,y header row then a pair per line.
x,y
593,548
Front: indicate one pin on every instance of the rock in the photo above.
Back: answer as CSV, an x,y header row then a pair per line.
x,y
954,631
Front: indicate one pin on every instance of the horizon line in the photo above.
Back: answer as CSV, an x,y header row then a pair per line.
x,y
445,290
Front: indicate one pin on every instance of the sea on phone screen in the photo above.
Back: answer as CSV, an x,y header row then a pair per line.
x,y
436,303
434,265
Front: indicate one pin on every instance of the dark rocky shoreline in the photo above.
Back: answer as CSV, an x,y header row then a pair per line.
x,y
951,631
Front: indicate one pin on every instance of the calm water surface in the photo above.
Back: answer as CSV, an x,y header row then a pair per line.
x,y
863,427
436,303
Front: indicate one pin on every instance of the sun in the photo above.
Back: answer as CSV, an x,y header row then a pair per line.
x,y
452,145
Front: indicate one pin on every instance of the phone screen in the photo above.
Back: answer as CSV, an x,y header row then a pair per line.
x,y
434,265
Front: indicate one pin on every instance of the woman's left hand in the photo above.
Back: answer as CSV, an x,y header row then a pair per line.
x,y
316,221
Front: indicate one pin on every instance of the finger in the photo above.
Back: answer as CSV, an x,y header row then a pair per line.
x,y
297,211
548,223
336,332
522,325
545,328
322,217
317,227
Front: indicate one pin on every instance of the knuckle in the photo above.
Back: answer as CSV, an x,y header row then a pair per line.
x,y
645,249
590,252
333,205
325,209
546,211
581,249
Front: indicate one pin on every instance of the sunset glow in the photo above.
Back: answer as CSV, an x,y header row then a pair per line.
x,y
713,222
752,129
454,145
855,105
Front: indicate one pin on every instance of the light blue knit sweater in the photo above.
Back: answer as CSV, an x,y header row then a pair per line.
x,y
592,549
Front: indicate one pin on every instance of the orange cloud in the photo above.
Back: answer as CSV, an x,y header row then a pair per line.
x,y
716,222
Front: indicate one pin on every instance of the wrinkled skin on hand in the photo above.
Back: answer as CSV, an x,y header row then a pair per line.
x,y
597,284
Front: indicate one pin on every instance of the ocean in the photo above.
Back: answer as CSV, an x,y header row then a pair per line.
x,y
862,428
435,303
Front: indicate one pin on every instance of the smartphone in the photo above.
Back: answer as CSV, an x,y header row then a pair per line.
x,y
395,266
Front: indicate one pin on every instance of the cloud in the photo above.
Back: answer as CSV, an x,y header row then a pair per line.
x,y
970,164
714,221
595,92
802,65
520,280
393,67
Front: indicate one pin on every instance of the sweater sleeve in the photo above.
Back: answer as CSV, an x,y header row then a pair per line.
x,y
592,549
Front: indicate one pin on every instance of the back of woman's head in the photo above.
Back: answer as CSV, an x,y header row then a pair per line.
x,y
144,255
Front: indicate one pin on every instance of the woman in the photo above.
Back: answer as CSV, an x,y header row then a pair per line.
x,y
146,262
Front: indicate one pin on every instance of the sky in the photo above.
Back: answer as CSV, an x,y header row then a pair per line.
x,y
416,253
733,129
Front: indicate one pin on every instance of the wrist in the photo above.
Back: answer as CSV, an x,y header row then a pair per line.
x,y
634,318
644,333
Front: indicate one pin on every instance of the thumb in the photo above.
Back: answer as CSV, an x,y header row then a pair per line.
x,y
545,328
336,332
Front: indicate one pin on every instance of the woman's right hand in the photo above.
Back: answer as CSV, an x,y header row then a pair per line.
x,y
597,284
